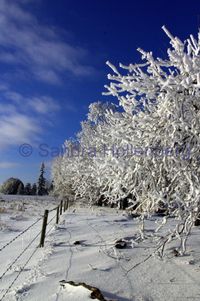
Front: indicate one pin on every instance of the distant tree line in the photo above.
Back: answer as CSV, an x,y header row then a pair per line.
x,y
16,186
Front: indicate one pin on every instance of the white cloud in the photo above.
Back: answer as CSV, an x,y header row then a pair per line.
x,y
43,105
16,128
22,117
36,51
48,76
14,96
37,48
5,165
17,124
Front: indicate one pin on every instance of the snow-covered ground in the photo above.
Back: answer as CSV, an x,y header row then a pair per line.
x,y
93,259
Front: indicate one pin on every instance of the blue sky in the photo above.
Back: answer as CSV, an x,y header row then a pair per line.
x,y
52,66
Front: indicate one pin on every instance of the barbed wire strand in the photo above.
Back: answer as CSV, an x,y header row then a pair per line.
x,y
22,269
25,249
24,231
53,209
49,223
15,260
32,254
20,234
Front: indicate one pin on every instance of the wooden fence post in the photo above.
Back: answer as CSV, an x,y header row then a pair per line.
x,y
57,214
61,205
44,226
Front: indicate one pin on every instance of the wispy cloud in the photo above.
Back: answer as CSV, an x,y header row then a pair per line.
x,y
35,51
40,104
5,165
20,116
36,48
16,128
43,104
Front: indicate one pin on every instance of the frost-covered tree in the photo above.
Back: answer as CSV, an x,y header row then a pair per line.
x,y
75,170
169,92
146,151
51,187
63,172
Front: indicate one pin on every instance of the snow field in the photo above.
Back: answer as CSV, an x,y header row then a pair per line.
x,y
95,261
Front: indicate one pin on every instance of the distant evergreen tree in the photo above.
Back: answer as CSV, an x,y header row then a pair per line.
x,y
42,181
20,189
34,189
27,189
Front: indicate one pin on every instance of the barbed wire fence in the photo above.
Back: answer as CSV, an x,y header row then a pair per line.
x,y
62,207
20,234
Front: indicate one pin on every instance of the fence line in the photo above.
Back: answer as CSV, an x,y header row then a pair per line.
x,y
22,269
25,230
59,209
50,222
20,234
53,209
15,260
